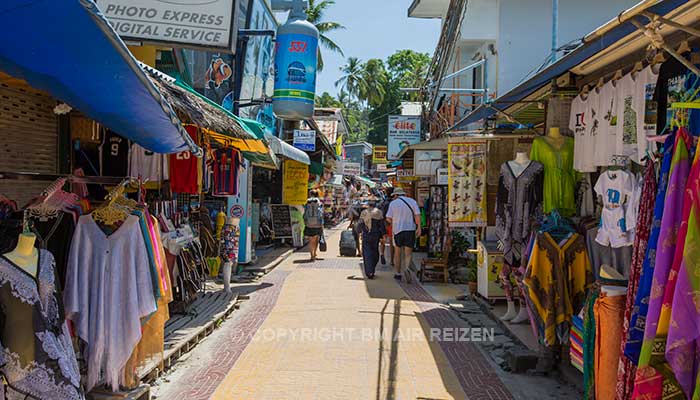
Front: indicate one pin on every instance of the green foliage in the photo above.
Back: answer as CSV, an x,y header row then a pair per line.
x,y
327,101
314,15
371,91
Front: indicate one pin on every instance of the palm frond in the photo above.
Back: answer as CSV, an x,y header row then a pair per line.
x,y
330,45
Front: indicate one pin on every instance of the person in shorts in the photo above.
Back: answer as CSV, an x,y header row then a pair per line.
x,y
404,216
313,222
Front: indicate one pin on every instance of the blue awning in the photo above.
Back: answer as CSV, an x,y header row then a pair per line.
x,y
68,49
564,64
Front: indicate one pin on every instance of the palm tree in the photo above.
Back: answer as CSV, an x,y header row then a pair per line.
x,y
314,14
351,81
374,81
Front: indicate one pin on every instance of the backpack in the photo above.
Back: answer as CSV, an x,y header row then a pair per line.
x,y
312,214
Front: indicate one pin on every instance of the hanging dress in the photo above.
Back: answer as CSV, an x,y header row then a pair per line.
x,y
639,311
626,368
559,275
559,175
683,340
518,204
37,357
648,382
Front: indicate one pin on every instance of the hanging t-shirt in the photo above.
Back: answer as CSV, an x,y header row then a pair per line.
x,y
580,123
147,164
637,109
675,83
606,140
114,155
227,163
184,168
616,188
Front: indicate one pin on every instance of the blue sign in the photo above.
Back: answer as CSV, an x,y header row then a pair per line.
x,y
305,140
295,65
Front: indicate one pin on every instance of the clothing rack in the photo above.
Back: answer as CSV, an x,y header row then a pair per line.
x,y
30,176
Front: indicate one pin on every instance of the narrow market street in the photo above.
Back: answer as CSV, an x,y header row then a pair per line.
x,y
320,331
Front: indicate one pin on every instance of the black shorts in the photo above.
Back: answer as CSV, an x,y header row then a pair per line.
x,y
405,239
310,232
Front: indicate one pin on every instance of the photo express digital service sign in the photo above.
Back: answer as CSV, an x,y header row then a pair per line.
x,y
190,23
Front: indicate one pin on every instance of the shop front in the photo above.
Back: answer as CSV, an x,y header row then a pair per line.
x,y
598,211
92,182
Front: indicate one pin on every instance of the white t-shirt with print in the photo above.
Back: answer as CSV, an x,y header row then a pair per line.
x,y
147,164
637,113
403,215
606,140
580,124
616,189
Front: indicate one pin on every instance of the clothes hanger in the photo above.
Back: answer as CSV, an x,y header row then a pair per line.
x,y
617,76
600,84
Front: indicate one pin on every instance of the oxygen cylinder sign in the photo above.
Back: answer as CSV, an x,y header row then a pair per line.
x,y
295,73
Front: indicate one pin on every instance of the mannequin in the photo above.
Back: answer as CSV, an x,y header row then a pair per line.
x,y
555,138
518,165
25,255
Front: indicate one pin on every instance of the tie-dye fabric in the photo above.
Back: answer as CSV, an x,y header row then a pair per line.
x,y
639,311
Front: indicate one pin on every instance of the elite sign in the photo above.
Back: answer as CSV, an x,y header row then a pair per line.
x,y
404,130
190,23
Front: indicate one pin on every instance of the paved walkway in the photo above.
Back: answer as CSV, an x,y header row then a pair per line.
x,y
320,331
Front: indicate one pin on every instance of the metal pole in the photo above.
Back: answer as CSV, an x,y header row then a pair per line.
x,y
555,28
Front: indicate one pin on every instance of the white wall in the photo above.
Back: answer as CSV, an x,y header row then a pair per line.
x,y
481,20
526,31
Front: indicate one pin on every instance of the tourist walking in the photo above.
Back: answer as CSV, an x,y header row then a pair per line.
x,y
404,216
372,228
313,222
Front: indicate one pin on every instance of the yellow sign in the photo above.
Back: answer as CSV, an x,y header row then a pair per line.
x,y
379,155
294,182
467,183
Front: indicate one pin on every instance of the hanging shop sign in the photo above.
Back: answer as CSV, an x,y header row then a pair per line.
x,y
383,168
281,221
404,130
442,176
305,139
379,155
294,182
296,58
426,162
467,183
190,23
351,168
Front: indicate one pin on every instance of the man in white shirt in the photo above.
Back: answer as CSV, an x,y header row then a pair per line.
x,y
404,216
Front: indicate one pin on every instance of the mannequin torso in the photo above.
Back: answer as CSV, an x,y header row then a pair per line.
x,y
25,255
554,138
520,163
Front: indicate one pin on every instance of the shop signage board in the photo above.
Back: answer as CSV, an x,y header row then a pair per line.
x,y
442,176
295,178
383,168
467,183
351,168
426,162
379,155
404,130
281,221
190,23
305,139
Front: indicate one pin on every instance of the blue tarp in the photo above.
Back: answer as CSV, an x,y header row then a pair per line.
x,y
571,60
68,49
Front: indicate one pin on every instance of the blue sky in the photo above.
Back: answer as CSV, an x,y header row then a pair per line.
x,y
374,29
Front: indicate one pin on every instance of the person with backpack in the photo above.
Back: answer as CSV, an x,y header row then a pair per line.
x,y
313,221
371,226
404,216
